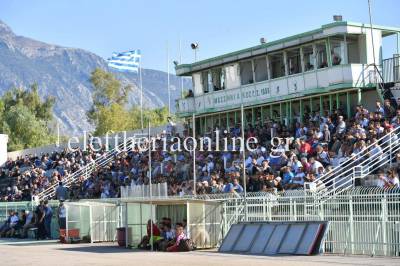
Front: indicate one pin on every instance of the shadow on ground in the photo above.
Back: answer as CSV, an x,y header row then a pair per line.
x,y
98,249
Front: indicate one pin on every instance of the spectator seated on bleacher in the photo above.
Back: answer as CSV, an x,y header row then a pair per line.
x,y
322,140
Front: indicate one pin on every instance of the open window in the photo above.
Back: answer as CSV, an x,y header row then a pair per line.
x,y
246,72
218,79
308,58
277,65
260,69
293,61
204,81
337,50
321,55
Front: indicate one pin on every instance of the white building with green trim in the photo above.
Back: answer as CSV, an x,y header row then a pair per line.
x,y
320,70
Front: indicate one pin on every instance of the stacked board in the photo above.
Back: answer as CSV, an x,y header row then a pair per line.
x,y
273,238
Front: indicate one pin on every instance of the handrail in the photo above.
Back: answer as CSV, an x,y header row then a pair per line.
x,y
346,177
101,161
350,159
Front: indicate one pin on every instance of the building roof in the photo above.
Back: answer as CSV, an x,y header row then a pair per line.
x,y
187,69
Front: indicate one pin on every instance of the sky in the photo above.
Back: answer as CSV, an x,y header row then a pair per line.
x,y
219,26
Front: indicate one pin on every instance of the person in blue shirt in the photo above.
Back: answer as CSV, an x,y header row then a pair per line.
x,y
233,187
287,176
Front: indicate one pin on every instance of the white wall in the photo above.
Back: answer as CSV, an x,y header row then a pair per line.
x,y
377,36
3,148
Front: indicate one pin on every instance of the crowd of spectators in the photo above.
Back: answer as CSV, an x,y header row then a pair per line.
x,y
320,142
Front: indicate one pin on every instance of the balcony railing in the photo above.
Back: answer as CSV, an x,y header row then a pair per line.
x,y
317,81
391,69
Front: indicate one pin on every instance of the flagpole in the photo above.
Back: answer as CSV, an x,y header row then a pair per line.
x,y
194,153
151,194
244,165
169,92
180,62
141,93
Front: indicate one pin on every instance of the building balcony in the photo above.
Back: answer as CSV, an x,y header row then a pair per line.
x,y
283,88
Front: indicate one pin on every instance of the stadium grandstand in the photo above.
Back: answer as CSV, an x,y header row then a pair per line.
x,y
327,90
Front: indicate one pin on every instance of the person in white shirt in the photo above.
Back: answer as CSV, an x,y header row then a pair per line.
x,y
62,216
341,125
314,164
389,181
170,130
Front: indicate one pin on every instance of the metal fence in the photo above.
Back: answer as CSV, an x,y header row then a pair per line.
x,y
365,223
391,69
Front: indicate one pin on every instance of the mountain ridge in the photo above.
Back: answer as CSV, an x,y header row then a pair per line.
x,y
64,73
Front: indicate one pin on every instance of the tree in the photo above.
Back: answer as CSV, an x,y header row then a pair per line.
x,y
24,117
109,111
109,97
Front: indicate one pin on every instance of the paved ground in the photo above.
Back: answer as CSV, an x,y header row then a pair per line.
x,y
55,254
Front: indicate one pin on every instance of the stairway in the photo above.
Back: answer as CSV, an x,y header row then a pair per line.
x,y
343,176
86,171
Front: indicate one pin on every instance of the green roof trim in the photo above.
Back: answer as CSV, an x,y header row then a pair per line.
x,y
386,29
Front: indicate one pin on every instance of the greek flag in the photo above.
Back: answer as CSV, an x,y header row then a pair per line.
x,y
126,61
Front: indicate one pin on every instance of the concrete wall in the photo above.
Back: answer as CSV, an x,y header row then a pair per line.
x,y
3,148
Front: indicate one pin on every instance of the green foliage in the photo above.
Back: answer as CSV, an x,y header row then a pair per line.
x,y
24,118
109,111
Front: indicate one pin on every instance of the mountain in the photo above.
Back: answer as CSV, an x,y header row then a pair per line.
x,y
64,73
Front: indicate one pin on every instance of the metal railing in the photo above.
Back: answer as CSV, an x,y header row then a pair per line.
x,y
391,69
84,173
359,165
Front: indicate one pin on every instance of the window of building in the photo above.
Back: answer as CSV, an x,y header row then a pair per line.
x,y
277,65
353,49
218,79
246,72
308,58
210,83
204,81
321,55
260,69
293,61
232,76
337,50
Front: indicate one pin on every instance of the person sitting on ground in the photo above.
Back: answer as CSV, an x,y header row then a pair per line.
x,y
180,235
147,240
167,238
